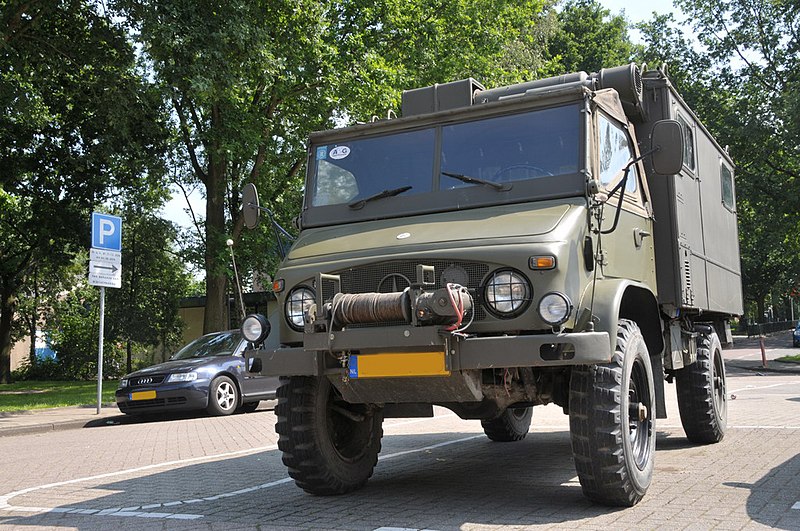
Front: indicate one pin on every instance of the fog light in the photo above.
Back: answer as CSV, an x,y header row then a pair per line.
x,y
555,308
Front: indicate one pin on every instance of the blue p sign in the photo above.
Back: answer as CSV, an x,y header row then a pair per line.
x,y
106,232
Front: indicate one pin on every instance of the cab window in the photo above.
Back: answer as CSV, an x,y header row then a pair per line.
x,y
688,143
615,153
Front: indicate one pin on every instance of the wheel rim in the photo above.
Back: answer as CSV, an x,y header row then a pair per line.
x,y
226,395
349,428
718,381
639,415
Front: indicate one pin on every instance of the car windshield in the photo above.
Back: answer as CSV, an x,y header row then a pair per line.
x,y
219,344
524,146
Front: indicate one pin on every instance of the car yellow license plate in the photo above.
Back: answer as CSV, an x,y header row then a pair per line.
x,y
397,364
143,395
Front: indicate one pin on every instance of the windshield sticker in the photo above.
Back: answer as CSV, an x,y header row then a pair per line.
x,y
322,152
340,152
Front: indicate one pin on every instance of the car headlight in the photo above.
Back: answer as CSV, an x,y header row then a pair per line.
x,y
255,328
555,308
297,303
507,293
182,377
123,383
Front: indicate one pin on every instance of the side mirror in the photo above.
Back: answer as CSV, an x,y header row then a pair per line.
x,y
250,210
254,365
667,142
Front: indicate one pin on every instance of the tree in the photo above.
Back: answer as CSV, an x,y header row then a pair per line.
x,y
144,311
248,80
77,126
588,38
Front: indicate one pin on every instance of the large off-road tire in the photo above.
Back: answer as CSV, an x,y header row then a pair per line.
x,y
612,422
512,425
702,399
223,396
329,446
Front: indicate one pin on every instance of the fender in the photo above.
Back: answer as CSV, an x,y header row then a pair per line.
x,y
615,298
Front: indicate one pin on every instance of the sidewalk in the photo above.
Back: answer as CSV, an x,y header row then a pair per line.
x,y
61,418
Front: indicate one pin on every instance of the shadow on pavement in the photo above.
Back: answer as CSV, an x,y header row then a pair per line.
x,y
771,495
123,419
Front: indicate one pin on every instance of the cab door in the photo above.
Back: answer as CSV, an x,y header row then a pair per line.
x,y
628,251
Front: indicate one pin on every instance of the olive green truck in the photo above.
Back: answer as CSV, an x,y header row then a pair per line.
x,y
570,240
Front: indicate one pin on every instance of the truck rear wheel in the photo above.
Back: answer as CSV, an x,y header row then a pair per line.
x,y
512,425
612,422
702,399
329,446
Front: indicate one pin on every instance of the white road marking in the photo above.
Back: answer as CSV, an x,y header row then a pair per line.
x,y
796,506
754,388
137,511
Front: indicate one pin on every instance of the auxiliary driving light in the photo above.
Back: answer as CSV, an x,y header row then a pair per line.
x,y
555,308
255,328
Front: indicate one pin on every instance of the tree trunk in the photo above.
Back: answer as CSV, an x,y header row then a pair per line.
x,y
8,303
760,304
129,356
216,311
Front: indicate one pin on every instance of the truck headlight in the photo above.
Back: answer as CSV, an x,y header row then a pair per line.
x,y
555,308
297,303
507,293
255,328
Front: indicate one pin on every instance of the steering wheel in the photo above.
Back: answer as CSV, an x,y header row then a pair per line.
x,y
538,172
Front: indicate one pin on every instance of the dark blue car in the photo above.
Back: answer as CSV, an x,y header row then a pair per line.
x,y
209,373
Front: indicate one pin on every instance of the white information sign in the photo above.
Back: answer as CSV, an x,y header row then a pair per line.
x,y
105,268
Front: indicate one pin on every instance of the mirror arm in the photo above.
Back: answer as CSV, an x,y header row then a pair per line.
x,y
276,227
621,188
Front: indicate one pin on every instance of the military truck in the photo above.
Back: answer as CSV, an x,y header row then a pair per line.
x,y
569,240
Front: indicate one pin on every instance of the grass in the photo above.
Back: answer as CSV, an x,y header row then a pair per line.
x,y
21,396
790,359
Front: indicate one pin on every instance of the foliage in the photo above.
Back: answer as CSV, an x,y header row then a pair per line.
x,y
589,38
75,337
144,311
78,126
37,369
249,80
33,394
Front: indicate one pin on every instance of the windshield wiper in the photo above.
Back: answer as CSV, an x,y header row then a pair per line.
x,y
356,205
474,180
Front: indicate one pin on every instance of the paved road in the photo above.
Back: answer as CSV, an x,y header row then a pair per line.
x,y
440,473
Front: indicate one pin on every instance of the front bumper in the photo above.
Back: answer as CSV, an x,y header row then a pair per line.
x,y
178,396
324,353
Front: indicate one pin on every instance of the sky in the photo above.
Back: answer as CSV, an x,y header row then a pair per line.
x,y
635,11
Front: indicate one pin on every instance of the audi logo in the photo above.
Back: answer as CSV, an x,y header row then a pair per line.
x,y
144,381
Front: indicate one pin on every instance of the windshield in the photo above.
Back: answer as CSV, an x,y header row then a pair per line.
x,y
525,146
220,344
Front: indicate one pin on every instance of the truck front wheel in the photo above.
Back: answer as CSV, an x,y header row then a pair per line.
x,y
512,425
702,399
329,446
612,422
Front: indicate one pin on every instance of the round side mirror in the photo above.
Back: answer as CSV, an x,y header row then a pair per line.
x,y
250,205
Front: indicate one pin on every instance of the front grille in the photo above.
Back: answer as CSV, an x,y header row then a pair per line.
x,y
396,275
156,402
147,380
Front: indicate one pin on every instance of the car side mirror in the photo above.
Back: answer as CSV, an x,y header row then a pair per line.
x,y
254,365
667,142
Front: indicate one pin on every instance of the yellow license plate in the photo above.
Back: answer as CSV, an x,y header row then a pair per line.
x,y
397,364
143,395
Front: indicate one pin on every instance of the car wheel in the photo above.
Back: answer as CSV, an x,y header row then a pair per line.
x,y
329,446
702,399
612,422
223,397
249,407
512,425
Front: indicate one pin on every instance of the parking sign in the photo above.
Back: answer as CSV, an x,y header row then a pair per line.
x,y
106,232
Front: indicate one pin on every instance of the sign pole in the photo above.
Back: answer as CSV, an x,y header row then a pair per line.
x,y
100,349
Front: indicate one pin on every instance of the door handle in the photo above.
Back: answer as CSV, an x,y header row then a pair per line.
x,y
638,236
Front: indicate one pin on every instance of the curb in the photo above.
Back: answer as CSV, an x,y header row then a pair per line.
x,y
794,369
45,427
